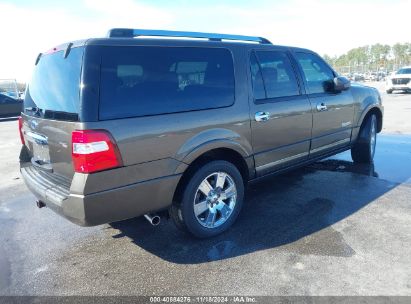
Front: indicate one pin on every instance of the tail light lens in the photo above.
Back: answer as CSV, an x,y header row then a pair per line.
x,y
94,150
21,131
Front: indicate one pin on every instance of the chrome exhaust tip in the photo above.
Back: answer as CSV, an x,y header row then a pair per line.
x,y
154,219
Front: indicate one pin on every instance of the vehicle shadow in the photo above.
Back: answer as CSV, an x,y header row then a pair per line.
x,y
277,212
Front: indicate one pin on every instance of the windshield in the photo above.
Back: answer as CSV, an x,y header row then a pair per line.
x,y
55,86
404,71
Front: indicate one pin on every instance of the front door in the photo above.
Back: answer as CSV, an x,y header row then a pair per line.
x,y
281,117
332,111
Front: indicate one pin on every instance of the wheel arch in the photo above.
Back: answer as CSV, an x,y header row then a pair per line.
x,y
196,159
378,113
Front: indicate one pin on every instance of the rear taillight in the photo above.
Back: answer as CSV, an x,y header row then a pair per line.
x,y
21,130
94,150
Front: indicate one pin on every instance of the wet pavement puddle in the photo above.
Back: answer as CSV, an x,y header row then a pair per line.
x,y
392,161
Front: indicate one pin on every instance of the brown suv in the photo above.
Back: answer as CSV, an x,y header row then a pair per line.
x,y
120,127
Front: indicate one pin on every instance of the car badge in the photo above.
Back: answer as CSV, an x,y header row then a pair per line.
x,y
33,124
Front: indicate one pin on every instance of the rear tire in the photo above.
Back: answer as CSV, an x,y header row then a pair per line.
x,y
389,91
364,148
210,201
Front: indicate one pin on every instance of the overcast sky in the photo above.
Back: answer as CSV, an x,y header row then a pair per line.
x,y
28,27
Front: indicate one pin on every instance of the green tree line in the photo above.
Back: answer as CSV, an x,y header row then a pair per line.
x,y
373,57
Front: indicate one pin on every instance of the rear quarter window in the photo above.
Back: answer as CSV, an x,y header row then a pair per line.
x,y
141,81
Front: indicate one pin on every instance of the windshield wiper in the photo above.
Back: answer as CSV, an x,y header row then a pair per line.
x,y
35,110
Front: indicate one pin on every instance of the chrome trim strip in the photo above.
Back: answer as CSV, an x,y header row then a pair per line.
x,y
40,139
281,161
337,143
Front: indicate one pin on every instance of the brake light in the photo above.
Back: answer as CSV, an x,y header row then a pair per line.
x,y
21,130
94,150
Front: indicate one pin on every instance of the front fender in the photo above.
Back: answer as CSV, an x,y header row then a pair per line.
x,y
366,99
370,103
368,109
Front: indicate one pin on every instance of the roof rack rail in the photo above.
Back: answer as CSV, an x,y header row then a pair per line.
x,y
131,33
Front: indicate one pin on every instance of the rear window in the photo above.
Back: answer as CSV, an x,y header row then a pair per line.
x,y
141,81
54,88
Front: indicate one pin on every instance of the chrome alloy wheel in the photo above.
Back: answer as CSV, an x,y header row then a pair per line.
x,y
215,199
373,139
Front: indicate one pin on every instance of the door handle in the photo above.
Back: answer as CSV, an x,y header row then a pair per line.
x,y
262,116
321,107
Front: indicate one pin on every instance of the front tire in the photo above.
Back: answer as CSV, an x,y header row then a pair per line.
x,y
364,148
210,201
389,91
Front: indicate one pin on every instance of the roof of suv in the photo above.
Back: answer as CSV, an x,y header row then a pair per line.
x,y
130,37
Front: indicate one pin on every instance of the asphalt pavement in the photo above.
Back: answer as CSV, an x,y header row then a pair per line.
x,y
332,228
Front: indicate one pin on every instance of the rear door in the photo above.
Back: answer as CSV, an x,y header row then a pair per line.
x,y
332,111
281,117
51,110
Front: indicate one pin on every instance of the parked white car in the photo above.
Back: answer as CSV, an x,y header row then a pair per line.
x,y
400,80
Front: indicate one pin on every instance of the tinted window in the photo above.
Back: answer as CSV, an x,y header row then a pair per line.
x,y
404,71
55,84
278,74
6,99
139,81
318,75
257,79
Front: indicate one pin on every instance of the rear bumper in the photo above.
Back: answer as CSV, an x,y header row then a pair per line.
x,y
100,207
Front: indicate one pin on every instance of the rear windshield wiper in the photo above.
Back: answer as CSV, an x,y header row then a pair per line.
x,y
34,110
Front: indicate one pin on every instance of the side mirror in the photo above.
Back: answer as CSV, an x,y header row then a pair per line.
x,y
341,83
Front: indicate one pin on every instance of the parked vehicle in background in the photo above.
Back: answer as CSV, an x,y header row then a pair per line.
x,y
381,76
400,80
371,76
10,101
358,77
181,125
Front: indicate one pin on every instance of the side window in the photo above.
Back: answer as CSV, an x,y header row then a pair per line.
x,y
190,73
257,79
130,75
278,74
140,81
318,75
